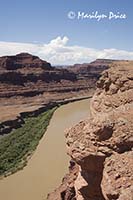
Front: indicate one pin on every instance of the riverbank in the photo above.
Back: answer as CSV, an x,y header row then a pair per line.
x,y
18,146
8,125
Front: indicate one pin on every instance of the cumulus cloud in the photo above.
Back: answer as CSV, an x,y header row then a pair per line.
x,y
57,51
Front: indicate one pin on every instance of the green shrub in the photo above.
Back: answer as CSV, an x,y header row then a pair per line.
x,y
21,142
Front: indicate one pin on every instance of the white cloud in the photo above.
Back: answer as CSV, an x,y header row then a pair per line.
x,y
58,42
58,52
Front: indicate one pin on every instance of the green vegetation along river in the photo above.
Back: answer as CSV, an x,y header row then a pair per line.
x,y
17,146
49,162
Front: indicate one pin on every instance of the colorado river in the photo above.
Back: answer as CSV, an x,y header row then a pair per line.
x,y
50,162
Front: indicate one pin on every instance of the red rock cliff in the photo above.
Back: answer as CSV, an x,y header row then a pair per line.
x,y
101,146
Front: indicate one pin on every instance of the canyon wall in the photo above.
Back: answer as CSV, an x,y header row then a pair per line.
x,y
100,147
28,85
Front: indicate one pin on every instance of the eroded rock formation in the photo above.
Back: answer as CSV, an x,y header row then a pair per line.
x,y
101,145
28,84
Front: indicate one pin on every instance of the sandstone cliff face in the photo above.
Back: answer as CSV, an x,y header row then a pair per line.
x,y
102,145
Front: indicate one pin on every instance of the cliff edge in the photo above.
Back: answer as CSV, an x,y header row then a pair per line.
x,y
101,146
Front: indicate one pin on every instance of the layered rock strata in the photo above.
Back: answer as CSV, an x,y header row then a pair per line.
x,y
29,84
101,145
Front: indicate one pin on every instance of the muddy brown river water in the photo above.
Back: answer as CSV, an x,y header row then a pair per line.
x,y
49,162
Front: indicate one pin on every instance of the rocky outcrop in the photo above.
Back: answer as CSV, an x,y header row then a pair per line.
x,y
102,145
117,182
23,60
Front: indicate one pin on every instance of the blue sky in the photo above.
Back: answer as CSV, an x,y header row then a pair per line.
x,y
40,21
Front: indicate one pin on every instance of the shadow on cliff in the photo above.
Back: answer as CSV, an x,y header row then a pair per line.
x,y
92,173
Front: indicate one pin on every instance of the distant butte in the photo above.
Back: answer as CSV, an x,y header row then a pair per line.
x,y
23,60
